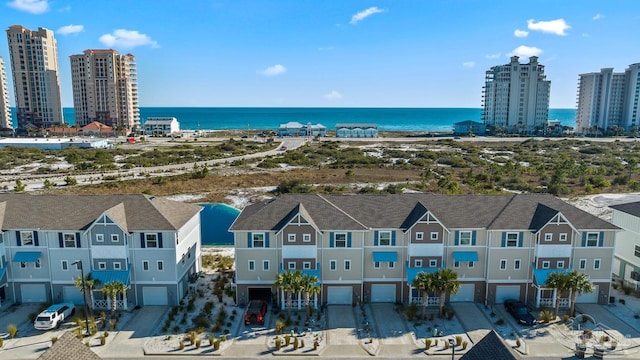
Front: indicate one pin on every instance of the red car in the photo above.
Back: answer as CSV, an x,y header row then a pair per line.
x,y
255,312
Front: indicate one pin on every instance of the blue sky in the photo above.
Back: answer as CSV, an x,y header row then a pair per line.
x,y
336,53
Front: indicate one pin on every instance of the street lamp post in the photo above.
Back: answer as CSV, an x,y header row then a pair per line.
x,y
452,344
84,293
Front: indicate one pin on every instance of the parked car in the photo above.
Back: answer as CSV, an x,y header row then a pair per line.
x,y
255,312
53,316
519,312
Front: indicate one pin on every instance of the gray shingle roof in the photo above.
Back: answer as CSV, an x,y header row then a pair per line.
x,y
632,208
68,347
398,211
491,347
135,212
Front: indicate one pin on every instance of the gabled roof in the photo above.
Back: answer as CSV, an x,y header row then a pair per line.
x,y
491,347
298,209
78,212
632,208
96,126
68,347
400,211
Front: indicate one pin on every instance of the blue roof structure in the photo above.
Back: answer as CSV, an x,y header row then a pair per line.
x,y
461,256
107,276
413,272
2,271
26,256
541,275
385,256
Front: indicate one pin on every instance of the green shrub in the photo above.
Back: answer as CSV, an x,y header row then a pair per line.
x,y
12,330
427,343
546,315
181,345
458,340
54,339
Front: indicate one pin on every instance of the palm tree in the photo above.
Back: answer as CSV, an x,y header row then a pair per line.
x,y
289,281
113,289
309,285
425,283
446,282
578,283
558,281
89,284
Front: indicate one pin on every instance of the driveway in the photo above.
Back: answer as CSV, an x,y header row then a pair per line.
x,y
341,324
392,329
473,320
607,318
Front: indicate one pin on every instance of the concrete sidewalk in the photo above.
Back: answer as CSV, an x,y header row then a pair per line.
x,y
473,320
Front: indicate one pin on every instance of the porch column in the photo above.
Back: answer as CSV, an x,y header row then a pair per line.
x,y
299,300
553,302
126,302
538,295
315,301
284,299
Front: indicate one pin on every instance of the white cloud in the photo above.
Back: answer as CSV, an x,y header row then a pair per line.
x,y
70,29
274,70
365,14
526,51
122,38
30,6
333,95
597,17
469,64
557,27
492,56
520,33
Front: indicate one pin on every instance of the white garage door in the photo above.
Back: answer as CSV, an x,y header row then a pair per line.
x,y
155,296
383,293
588,298
465,293
507,292
73,295
33,293
339,295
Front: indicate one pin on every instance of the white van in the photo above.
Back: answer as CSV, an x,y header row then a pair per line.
x,y
53,316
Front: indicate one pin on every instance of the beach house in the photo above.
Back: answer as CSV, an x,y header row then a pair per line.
x,y
626,264
356,130
371,247
150,244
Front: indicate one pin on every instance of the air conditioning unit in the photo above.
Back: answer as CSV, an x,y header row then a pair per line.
x,y
635,275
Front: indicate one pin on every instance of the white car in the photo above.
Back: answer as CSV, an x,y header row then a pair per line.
x,y
53,316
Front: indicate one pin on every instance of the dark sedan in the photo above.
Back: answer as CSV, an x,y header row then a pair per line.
x,y
519,312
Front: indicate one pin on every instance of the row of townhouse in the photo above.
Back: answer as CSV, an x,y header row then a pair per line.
x,y
371,247
150,244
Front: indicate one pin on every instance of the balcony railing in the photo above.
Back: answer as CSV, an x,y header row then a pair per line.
x,y
431,300
548,302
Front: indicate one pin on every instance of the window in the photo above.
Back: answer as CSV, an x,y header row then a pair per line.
x,y
548,237
115,238
546,264
341,240
306,265
99,237
503,264
433,262
636,251
384,238
596,264
465,238
69,240
117,266
306,237
333,265
391,265
23,265
456,264
563,237
347,265
65,265
560,264
252,265
420,235
376,264
38,264
160,265
102,265
512,239
291,237
78,266
27,238
417,263
265,265
151,240
145,265
592,239
291,265
516,264
582,264
258,240
471,264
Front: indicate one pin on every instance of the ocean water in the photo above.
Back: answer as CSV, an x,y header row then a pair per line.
x,y
215,220
389,119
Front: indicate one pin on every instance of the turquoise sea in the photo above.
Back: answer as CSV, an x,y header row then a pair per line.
x,y
387,119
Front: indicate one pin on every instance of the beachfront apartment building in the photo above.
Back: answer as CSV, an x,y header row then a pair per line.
x,y
371,247
105,89
356,130
626,264
608,100
36,77
5,110
516,97
161,126
150,244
